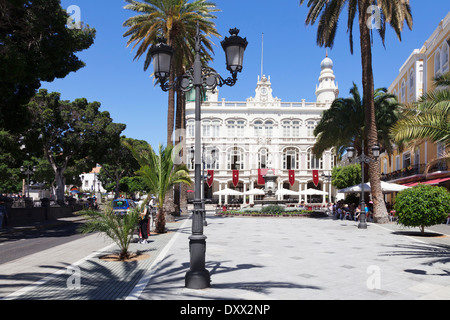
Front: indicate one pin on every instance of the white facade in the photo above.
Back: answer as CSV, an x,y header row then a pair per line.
x,y
90,181
263,132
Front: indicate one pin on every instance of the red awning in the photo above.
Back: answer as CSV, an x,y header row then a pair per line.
x,y
411,184
432,182
436,181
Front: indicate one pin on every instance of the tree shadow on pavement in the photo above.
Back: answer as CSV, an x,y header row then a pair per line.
x,y
98,280
432,253
169,279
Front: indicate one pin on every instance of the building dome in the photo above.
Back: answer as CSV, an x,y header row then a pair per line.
x,y
327,63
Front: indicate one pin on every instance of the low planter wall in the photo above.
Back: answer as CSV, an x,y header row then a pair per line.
x,y
314,214
25,216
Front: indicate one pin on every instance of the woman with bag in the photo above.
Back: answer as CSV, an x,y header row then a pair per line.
x,y
143,226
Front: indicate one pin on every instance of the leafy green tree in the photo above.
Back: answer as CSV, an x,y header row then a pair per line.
x,y
393,12
343,177
68,133
117,227
11,158
35,46
118,162
160,174
422,206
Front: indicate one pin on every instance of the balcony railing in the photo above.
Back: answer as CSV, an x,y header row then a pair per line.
x,y
414,170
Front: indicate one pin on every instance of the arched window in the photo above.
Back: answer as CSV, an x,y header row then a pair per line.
x,y
290,128
411,79
313,162
206,126
262,158
296,128
291,159
215,128
286,125
403,91
211,158
235,159
231,128
437,62
268,126
258,125
444,58
190,128
310,126
240,126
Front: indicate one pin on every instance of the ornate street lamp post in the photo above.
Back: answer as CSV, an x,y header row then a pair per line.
x,y
363,158
198,77
28,172
328,179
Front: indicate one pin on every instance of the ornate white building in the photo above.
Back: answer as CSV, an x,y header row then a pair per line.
x,y
246,138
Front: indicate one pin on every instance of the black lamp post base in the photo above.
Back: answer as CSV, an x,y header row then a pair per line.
x,y
363,222
197,279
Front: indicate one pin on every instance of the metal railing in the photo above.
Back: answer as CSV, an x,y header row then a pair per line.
x,y
418,169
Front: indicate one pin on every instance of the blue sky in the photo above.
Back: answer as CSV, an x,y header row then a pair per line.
x,y
291,58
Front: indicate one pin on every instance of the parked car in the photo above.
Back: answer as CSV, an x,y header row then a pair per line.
x,y
123,206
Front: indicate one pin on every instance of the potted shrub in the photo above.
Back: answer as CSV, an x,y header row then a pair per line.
x,y
422,206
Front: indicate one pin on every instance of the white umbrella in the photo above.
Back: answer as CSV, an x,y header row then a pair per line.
x,y
228,192
385,187
355,188
288,192
313,192
255,192
391,187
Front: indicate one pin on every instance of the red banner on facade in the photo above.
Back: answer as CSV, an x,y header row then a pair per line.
x,y
291,177
260,176
235,177
315,177
211,178
261,173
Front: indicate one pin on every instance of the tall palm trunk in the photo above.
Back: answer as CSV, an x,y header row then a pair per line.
x,y
180,189
379,207
160,224
170,109
169,205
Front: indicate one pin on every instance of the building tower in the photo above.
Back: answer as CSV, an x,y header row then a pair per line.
x,y
327,90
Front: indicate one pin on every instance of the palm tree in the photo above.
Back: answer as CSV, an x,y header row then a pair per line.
x,y
160,175
342,125
118,227
394,12
176,20
427,119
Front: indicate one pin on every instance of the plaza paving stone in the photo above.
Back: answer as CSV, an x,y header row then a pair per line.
x,y
249,258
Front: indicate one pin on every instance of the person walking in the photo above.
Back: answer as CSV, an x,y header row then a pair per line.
x,y
357,212
2,213
143,225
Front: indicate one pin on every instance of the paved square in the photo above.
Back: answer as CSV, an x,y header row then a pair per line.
x,y
300,258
